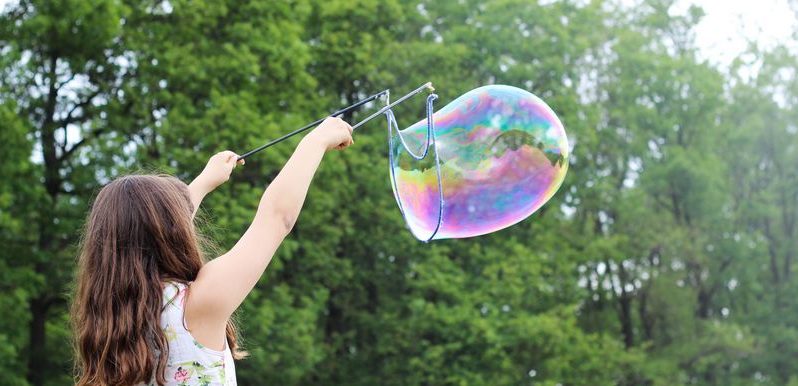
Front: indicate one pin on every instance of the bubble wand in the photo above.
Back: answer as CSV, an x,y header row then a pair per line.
x,y
313,124
357,104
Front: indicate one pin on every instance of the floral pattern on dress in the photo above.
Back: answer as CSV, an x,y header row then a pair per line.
x,y
170,333
190,363
194,373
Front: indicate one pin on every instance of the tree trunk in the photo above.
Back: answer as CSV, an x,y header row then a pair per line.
x,y
704,300
645,319
627,328
39,305
37,360
772,252
624,306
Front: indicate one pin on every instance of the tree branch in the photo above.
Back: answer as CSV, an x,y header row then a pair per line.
x,y
70,118
71,77
94,134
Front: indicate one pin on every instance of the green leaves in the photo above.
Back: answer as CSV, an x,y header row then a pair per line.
x,y
666,258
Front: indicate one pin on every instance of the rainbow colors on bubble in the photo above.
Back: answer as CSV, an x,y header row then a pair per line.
x,y
502,154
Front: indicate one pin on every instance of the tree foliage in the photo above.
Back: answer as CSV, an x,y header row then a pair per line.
x,y
666,258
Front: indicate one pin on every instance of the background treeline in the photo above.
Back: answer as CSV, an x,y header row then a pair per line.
x,y
666,258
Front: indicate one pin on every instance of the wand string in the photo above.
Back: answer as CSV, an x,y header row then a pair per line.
x,y
430,142
426,86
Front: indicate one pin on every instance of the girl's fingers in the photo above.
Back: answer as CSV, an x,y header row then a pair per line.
x,y
229,156
346,144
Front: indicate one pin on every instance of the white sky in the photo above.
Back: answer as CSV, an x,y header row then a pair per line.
x,y
728,25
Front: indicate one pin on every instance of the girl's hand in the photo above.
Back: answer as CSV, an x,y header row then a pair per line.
x,y
218,170
333,133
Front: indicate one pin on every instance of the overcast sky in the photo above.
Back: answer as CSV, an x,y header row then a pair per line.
x,y
722,33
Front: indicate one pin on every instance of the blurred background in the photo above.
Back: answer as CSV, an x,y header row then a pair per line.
x,y
666,258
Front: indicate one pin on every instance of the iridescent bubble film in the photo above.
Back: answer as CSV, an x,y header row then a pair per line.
x,y
502,154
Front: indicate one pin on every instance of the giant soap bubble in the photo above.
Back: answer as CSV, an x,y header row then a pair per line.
x,y
496,155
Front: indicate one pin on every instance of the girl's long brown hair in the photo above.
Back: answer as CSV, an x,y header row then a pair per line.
x,y
138,235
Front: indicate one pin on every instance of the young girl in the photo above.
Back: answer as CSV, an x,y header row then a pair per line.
x,y
147,310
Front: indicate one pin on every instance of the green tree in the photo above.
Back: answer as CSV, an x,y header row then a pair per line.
x,y
666,258
63,73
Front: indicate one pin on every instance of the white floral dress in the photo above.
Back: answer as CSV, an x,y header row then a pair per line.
x,y
190,363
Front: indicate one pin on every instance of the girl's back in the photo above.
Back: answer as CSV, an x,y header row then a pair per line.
x,y
190,362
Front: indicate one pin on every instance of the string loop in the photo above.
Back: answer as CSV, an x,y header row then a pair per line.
x,y
429,142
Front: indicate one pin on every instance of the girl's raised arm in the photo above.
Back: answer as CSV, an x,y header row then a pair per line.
x,y
223,283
